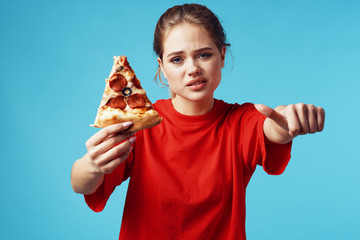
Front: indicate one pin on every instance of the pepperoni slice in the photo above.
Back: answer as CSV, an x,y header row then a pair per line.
x,y
117,102
136,83
117,82
136,101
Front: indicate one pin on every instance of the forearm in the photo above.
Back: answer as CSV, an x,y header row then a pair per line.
x,y
86,177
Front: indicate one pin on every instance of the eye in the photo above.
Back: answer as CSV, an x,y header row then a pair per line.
x,y
176,60
204,55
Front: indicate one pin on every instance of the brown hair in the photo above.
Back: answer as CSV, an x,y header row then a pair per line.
x,y
188,13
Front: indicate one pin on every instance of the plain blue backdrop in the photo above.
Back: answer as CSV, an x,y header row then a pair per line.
x,y
55,56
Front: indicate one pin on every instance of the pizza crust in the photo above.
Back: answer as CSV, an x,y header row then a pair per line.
x,y
147,121
107,116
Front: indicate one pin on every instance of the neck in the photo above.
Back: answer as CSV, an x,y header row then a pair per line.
x,y
191,107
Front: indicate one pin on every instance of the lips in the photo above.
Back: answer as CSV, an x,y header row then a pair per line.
x,y
195,82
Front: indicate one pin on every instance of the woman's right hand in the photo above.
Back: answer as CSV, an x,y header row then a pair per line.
x,y
107,148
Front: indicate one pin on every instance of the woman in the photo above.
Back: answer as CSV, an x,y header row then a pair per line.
x,y
188,175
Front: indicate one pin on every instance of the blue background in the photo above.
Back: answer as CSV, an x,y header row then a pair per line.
x,y
55,55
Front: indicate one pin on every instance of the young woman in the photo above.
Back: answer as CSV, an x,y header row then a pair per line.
x,y
188,175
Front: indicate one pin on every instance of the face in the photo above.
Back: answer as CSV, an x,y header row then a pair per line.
x,y
191,62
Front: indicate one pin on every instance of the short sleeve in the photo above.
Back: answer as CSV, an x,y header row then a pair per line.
x,y
277,157
257,150
97,200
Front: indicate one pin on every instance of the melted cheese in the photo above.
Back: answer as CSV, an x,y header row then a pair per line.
x,y
136,90
128,75
111,113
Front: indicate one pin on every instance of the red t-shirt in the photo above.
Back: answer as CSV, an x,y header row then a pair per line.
x,y
188,175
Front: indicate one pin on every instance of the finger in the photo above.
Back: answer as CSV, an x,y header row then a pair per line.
x,y
114,140
111,165
293,121
320,115
312,118
104,133
302,113
108,144
114,152
273,115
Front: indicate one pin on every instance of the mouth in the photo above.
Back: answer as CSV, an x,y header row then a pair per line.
x,y
195,82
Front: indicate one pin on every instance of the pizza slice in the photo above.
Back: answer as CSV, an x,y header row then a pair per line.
x,y
124,100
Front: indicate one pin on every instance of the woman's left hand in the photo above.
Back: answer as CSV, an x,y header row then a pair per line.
x,y
286,122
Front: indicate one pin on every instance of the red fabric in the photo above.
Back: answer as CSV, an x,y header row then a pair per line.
x,y
189,174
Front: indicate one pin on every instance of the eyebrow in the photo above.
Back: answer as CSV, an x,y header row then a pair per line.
x,y
196,51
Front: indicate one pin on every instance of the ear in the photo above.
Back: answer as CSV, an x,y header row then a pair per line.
x,y
223,51
161,66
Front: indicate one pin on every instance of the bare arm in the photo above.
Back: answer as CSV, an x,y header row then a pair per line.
x,y
106,150
284,123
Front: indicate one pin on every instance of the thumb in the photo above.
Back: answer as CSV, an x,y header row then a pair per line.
x,y
273,115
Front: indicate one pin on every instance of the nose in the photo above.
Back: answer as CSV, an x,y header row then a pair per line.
x,y
193,68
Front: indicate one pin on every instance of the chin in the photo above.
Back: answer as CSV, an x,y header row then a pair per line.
x,y
198,97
